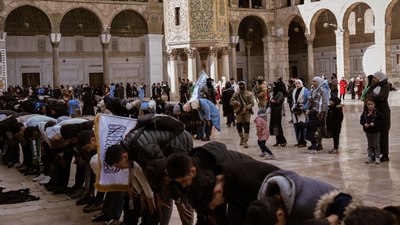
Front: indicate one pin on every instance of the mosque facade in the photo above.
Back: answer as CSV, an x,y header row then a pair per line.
x,y
54,42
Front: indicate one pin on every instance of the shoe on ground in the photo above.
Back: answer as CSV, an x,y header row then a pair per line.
x,y
39,178
206,139
384,159
269,157
377,161
93,208
313,152
245,145
78,194
262,154
45,180
333,151
319,148
283,144
369,161
31,172
101,217
85,200
309,147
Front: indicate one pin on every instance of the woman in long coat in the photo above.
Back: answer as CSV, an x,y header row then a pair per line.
x,y
343,86
275,103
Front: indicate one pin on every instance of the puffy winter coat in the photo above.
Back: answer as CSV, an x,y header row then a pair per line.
x,y
300,194
156,137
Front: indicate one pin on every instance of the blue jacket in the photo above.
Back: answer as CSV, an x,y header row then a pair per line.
x,y
208,111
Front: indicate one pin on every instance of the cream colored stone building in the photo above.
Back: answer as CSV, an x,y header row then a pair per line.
x,y
102,41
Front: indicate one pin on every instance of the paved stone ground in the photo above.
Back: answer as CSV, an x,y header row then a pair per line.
x,y
378,185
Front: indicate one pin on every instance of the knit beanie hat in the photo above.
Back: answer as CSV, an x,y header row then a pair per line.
x,y
195,104
261,111
380,76
186,107
177,109
336,100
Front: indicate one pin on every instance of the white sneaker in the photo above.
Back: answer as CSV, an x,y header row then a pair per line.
x,y
270,157
262,154
45,180
39,178
313,152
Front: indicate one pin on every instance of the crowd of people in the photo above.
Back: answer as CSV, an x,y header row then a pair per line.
x,y
221,185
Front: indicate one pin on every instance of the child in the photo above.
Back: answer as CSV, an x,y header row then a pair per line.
x,y
312,125
371,121
263,134
334,122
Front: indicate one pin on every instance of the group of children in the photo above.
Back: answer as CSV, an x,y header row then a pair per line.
x,y
370,120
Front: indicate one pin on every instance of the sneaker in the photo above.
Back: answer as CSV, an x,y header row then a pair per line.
x,y
269,157
377,161
313,152
85,200
301,145
262,154
45,180
319,148
39,178
369,161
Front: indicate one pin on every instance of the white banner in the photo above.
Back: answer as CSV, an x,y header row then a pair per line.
x,y
110,130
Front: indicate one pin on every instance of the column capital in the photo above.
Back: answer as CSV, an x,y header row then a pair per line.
x,y
190,52
249,44
171,53
212,51
224,50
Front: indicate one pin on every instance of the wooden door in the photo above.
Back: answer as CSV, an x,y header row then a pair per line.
x,y
239,74
96,80
30,79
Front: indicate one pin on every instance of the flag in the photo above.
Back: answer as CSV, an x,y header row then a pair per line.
x,y
110,130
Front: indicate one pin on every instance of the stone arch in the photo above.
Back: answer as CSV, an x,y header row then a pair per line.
x,y
314,20
125,22
389,12
81,21
261,22
322,27
27,20
289,20
358,9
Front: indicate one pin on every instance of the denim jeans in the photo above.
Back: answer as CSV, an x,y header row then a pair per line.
x,y
374,148
263,147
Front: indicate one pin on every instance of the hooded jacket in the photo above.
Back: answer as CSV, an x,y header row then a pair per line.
x,y
300,194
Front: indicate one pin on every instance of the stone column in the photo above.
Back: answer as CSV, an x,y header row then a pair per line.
x,y
55,39
234,41
153,59
213,57
105,41
203,60
310,57
248,76
171,68
191,57
3,62
380,44
342,54
225,63
276,57
388,50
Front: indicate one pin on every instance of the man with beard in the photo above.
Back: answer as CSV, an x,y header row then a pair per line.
x,y
208,91
243,102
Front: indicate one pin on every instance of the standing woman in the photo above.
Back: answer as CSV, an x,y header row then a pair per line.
x,y
351,88
343,86
300,105
379,92
276,103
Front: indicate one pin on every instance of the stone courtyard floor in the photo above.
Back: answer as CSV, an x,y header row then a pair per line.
x,y
378,185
